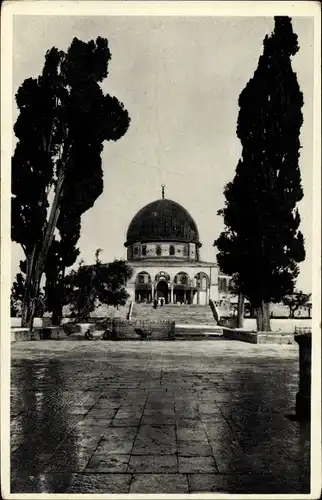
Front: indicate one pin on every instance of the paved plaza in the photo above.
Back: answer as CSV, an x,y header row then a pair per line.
x,y
156,417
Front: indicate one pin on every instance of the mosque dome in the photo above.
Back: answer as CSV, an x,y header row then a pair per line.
x,y
162,220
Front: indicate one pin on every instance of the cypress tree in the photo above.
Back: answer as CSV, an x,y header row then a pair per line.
x,y
261,241
64,119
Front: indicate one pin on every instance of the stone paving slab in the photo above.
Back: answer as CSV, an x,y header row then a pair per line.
x,y
155,483
156,417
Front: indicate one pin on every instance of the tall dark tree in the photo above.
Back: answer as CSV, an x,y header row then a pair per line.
x,y
64,119
261,241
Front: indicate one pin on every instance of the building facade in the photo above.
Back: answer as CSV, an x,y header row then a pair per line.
x,y
163,249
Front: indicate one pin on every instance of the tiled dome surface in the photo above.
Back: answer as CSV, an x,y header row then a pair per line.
x,y
162,220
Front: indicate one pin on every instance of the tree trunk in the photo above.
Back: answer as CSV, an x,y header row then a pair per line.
x,y
57,313
34,294
39,267
263,317
259,318
240,317
266,317
26,303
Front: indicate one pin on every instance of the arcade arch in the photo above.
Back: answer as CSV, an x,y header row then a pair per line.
x,y
182,289
162,287
143,288
201,289
179,290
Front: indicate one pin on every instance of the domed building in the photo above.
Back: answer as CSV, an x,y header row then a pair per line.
x,y
163,249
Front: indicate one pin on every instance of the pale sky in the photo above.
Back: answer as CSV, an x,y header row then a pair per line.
x,y
180,79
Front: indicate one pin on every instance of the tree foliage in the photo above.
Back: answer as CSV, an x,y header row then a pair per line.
x,y
64,119
261,241
296,300
91,286
18,292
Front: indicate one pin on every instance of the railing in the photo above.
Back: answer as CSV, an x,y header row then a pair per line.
x,y
302,330
129,314
214,311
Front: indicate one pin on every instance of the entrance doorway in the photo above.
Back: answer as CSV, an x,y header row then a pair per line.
x,y
162,291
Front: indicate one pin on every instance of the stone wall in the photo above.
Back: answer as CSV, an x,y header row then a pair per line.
x,y
258,338
279,325
128,330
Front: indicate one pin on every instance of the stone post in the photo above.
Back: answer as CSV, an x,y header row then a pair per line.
x,y
172,331
303,397
171,294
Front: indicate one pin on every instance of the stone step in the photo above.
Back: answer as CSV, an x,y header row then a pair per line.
x,y
185,314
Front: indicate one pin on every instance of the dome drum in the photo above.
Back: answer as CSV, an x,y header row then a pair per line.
x,y
163,250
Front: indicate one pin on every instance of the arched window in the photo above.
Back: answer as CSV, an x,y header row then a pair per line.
x,y
143,278
162,275
203,281
143,249
171,251
182,279
158,250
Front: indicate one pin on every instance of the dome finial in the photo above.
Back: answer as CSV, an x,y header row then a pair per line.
x,y
163,186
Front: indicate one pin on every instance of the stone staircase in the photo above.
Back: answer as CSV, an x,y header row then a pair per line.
x,y
182,315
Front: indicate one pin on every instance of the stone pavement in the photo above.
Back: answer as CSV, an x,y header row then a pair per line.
x,y
156,417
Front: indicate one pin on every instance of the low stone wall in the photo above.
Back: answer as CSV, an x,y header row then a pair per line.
x,y
258,337
280,324
130,330
283,325
118,329
38,322
197,332
48,333
236,334
114,330
22,334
